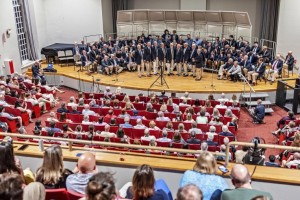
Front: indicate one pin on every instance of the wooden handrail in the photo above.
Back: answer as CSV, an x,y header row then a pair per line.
x,y
272,146
110,144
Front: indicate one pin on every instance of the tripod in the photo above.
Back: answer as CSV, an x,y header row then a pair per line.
x,y
212,85
98,86
79,82
161,78
93,85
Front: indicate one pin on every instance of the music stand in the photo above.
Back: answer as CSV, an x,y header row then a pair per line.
x,y
160,79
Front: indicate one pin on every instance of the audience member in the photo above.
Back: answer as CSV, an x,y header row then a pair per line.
x,y
241,180
11,186
189,192
204,176
34,191
85,169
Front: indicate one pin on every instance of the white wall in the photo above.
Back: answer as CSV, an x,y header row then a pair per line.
x,y
69,20
154,4
288,28
252,7
8,49
192,4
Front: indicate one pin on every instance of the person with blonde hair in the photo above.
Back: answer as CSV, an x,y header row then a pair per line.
x,y
52,173
34,191
204,176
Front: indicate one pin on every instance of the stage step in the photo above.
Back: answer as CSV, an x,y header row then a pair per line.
x,y
254,103
256,95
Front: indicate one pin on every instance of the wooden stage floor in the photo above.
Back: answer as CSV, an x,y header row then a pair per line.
x,y
130,80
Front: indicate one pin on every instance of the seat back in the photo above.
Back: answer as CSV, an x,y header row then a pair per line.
x,y
74,195
56,194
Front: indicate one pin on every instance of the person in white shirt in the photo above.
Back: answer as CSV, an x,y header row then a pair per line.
x,y
292,160
223,98
52,117
212,130
139,124
194,128
147,136
86,120
186,96
164,137
184,103
221,105
72,102
106,132
34,101
2,80
87,111
3,102
161,117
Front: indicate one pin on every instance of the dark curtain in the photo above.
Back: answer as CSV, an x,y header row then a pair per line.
x,y
32,53
118,5
269,21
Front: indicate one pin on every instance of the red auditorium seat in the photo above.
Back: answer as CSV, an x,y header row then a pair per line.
x,y
161,124
187,125
163,144
145,142
236,112
175,125
76,118
204,128
137,133
12,124
128,132
144,99
74,195
139,106
113,129
226,120
194,146
170,108
156,107
120,120
56,194
213,148
177,145
99,127
171,134
232,129
17,112
214,103
116,140
209,110
170,115
36,111
155,133
150,115
185,136
104,111
98,138
222,111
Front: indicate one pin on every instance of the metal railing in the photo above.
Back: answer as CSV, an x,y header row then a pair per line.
x,y
107,144
92,38
246,82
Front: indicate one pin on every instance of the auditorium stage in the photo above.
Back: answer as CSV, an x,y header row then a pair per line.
x,y
178,84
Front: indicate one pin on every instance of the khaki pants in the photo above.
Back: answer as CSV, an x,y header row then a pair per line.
x,y
252,76
178,67
245,70
271,74
199,73
170,67
284,69
141,69
131,66
185,68
148,68
221,71
155,65
194,70
162,64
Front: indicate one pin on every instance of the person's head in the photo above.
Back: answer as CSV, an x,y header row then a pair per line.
x,y
259,101
65,127
212,129
152,124
297,156
62,117
291,114
143,182
146,132
101,186
176,136
86,163
181,127
170,125
11,186
204,146
189,192
210,136
120,133
216,112
7,159
224,128
107,127
193,134
52,167
240,176
34,191
272,158
206,163
112,121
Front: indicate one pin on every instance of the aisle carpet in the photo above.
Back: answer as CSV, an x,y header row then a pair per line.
x,y
247,130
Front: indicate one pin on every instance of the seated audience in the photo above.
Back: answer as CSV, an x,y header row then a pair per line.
x,y
194,128
293,160
161,117
210,140
290,116
11,186
62,108
152,125
52,117
9,116
139,124
34,191
193,139
106,132
204,176
241,180
164,137
72,102
126,123
212,130
226,132
52,173
147,136
272,162
177,138
85,169
87,111
240,154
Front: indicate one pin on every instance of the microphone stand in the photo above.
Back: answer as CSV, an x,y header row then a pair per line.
x,y
79,82
93,85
